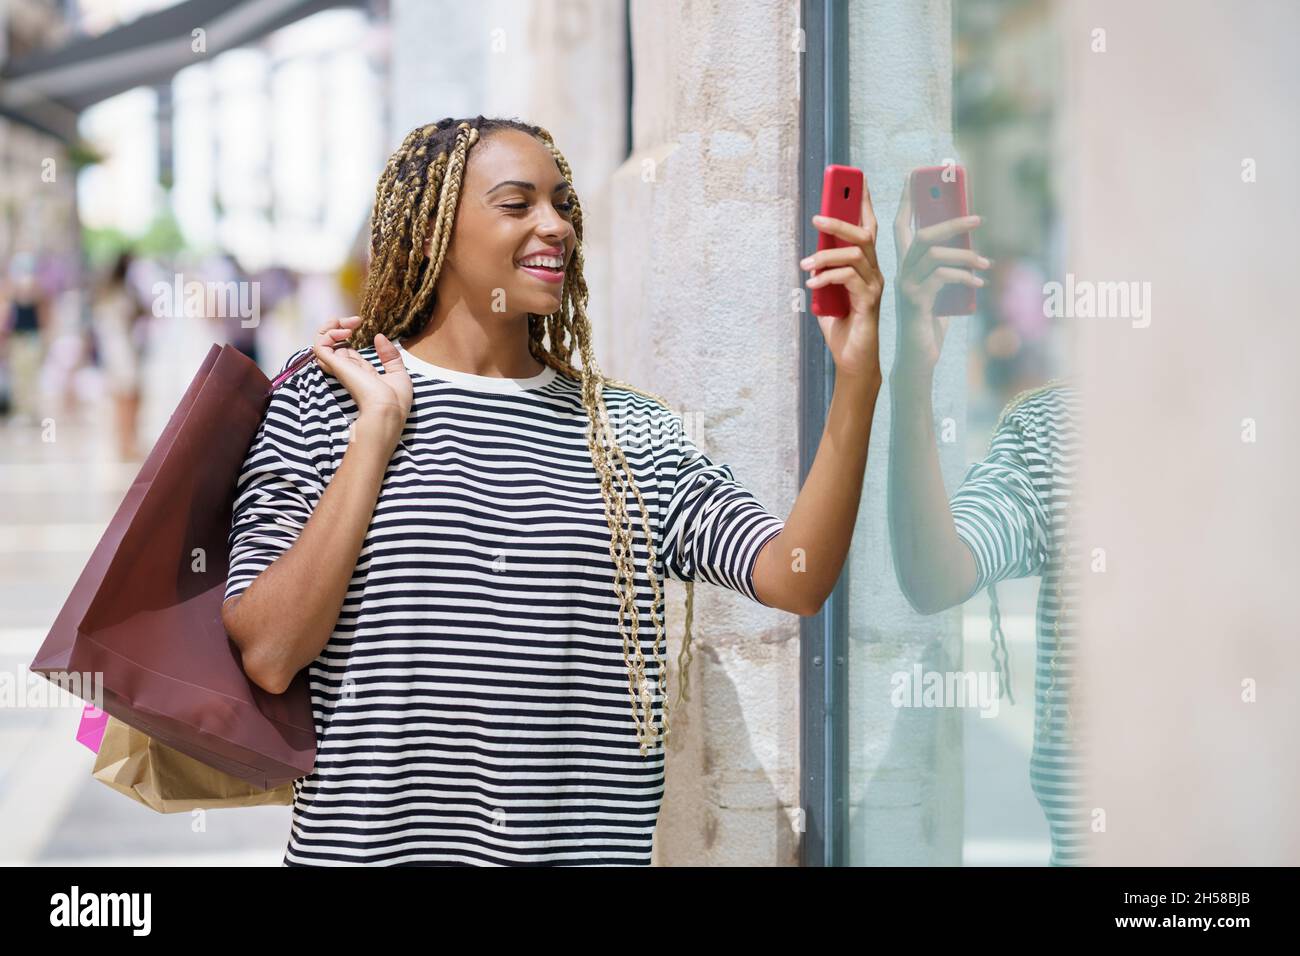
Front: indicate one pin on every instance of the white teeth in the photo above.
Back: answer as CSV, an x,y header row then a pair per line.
x,y
552,262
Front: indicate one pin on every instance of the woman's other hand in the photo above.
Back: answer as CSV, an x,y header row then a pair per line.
x,y
924,267
384,399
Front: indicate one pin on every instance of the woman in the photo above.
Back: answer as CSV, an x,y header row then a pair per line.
x,y
26,331
430,513
119,327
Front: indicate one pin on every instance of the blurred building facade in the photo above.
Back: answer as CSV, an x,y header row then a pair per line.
x,y
38,213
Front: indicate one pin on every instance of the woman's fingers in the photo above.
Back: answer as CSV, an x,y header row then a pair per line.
x,y
861,238
327,346
389,357
845,275
869,223
855,235
351,321
347,324
945,275
947,229
952,256
825,258
324,355
329,337
924,239
331,354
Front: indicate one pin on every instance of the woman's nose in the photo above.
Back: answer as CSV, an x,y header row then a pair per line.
x,y
555,225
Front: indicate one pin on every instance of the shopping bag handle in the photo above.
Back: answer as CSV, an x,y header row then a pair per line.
x,y
299,362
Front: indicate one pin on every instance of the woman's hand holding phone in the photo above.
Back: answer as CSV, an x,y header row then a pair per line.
x,y
383,401
925,265
853,340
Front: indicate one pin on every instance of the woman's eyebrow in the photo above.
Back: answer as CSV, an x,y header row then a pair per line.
x,y
530,187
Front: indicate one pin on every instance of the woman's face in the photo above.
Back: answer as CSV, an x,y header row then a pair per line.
x,y
514,205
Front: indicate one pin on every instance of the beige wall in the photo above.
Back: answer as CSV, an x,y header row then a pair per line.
x,y
1197,525
704,260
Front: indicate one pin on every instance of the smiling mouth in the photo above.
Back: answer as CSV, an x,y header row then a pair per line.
x,y
545,273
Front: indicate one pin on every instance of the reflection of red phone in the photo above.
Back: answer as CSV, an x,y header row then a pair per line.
x,y
938,194
841,199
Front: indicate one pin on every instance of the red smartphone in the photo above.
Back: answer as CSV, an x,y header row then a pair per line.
x,y
939,193
841,199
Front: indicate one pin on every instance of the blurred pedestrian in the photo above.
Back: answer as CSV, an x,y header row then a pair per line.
x,y
25,327
121,337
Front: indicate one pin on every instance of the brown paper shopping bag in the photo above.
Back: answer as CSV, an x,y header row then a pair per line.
x,y
166,780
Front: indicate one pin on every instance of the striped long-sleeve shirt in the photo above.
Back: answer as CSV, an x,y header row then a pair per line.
x,y
471,705
1013,511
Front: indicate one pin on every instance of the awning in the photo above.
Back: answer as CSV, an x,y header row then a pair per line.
x,y
49,89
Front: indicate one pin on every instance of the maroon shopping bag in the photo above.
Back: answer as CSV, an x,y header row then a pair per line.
x,y
146,611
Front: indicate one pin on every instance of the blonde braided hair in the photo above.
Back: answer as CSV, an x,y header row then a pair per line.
x,y
416,199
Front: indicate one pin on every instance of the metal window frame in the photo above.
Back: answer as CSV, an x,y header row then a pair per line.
x,y
823,638
629,79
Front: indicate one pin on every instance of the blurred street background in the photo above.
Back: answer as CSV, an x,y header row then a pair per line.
x,y
255,166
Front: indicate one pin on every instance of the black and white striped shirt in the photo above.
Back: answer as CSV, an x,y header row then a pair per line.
x,y
1013,511
472,706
